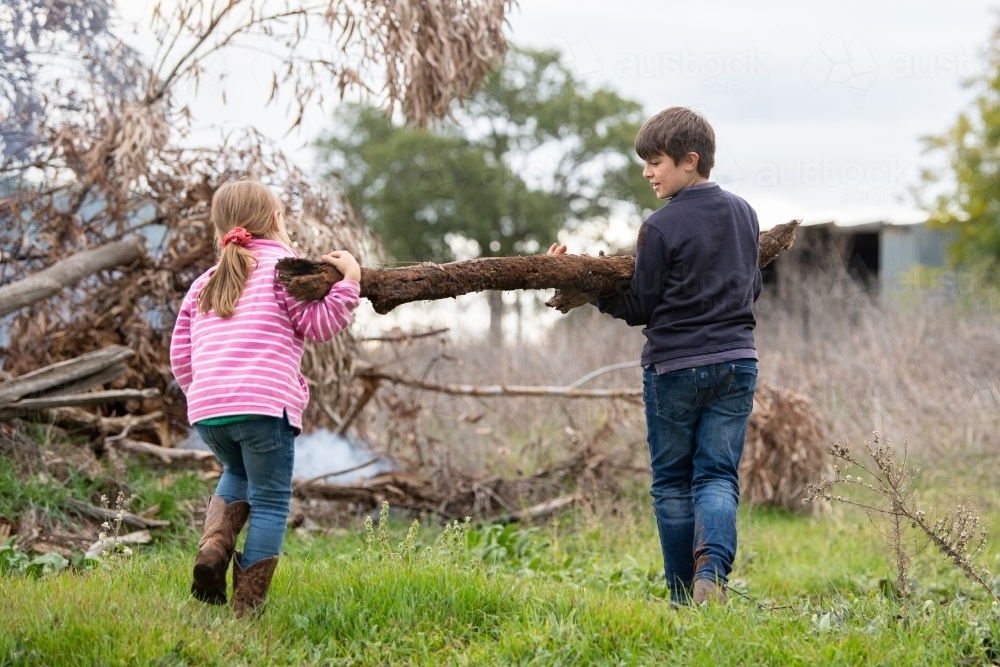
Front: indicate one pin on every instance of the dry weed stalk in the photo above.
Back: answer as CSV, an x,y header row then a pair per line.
x,y
959,535
112,548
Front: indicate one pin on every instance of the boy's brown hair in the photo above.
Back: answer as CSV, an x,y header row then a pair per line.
x,y
675,132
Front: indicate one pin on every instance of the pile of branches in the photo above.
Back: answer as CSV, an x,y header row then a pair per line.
x,y
785,451
95,151
457,495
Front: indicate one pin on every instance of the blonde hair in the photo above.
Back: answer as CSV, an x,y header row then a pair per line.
x,y
250,205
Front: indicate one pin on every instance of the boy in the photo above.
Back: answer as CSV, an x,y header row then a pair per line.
x,y
696,278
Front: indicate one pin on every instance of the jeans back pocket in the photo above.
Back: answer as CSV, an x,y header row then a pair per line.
x,y
266,434
742,385
675,395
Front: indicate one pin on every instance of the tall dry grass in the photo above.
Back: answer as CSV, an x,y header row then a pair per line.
x,y
918,366
925,368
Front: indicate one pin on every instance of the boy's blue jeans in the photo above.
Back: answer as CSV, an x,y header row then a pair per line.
x,y
696,421
257,457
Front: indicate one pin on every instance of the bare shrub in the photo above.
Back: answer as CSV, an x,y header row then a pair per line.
x,y
959,535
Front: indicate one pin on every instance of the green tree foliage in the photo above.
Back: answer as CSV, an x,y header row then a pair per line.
x,y
967,189
532,152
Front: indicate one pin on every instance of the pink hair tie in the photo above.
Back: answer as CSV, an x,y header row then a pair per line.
x,y
236,235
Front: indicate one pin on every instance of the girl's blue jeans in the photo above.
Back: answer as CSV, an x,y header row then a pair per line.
x,y
257,457
696,422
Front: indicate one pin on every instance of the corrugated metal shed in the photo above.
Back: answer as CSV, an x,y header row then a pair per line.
x,y
878,256
902,247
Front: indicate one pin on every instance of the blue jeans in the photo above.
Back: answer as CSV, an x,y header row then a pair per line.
x,y
696,422
257,457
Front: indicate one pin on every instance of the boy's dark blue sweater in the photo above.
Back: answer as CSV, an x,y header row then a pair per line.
x,y
696,277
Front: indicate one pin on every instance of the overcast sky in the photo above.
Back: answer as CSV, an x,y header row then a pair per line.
x,y
818,106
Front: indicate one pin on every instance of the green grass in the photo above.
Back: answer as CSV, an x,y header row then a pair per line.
x,y
584,589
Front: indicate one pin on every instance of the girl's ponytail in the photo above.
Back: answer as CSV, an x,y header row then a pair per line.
x,y
251,206
224,288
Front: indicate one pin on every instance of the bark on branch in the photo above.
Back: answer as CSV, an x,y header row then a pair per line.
x,y
30,406
102,513
68,272
70,376
167,455
578,279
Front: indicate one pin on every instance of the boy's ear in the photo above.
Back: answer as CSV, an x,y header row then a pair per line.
x,y
691,161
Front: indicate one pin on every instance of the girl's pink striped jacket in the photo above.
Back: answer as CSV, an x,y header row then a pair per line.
x,y
249,363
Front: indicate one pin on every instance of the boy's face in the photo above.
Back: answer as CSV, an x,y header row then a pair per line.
x,y
668,178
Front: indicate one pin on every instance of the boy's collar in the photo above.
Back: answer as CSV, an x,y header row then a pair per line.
x,y
701,190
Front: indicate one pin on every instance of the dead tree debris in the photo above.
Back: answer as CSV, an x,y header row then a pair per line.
x,y
66,383
480,497
70,376
168,455
29,406
104,514
51,281
785,450
578,279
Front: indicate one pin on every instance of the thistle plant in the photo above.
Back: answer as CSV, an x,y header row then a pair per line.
x,y
959,535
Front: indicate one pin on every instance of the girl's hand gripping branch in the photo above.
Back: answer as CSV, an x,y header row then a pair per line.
x,y
556,249
344,262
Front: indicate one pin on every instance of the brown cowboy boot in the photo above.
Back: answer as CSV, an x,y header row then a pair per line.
x,y
250,586
215,549
706,591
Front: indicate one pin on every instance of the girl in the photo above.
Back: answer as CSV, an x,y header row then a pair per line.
x,y
235,353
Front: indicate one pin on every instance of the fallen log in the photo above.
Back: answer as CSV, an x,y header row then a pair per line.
x,y
31,406
131,520
70,376
570,391
167,455
458,495
578,279
544,509
108,543
66,272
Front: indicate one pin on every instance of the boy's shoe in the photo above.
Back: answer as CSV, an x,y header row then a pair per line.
x,y
223,523
706,591
250,586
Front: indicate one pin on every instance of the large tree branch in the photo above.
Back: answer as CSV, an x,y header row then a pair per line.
x,y
69,271
363,370
578,279
70,376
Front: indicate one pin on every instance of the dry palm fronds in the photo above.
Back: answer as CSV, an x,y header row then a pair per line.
x,y
785,450
141,130
427,52
437,50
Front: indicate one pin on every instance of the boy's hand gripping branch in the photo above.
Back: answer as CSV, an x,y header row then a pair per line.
x,y
578,279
